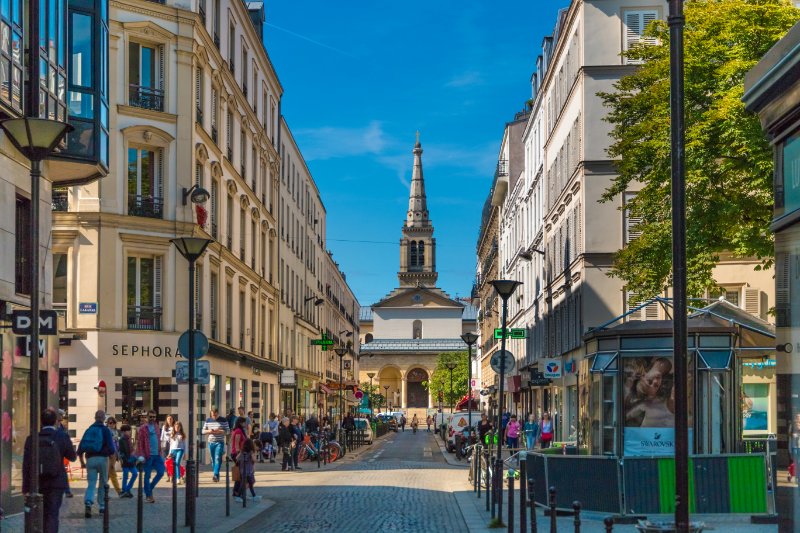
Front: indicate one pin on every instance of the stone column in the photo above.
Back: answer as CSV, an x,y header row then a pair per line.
x,y
403,386
430,399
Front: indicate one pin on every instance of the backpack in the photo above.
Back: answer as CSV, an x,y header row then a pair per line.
x,y
93,440
51,463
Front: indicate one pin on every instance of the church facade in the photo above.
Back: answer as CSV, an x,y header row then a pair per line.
x,y
403,334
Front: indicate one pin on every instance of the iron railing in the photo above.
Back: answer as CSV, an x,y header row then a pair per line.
x,y
146,97
145,206
214,135
144,317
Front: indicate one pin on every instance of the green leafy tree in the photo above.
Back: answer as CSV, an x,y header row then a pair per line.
x,y
375,397
440,380
728,160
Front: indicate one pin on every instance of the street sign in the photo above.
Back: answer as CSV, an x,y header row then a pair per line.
x,y
358,394
202,372
324,341
87,308
513,333
24,346
473,383
21,322
498,357
200,343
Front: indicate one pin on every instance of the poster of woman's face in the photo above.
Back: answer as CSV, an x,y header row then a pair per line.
x,y
648,395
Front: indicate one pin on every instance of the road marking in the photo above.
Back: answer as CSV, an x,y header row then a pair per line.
x,y
426,452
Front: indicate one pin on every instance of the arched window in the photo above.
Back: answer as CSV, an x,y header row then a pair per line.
x,y
417,329
367,338
413,253
421,254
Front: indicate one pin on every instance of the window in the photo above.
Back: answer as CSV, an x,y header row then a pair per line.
x,y
263,253
244,71
229,221
22,247
11,54
214,208
253,242
232,46
198,297
242,218
217,17
228,312
417,329
243,153
636,23
241,319
212,301
229,135
145,192
214,106
731,294
59,279
146,76
198,95
253,316
144,293
254,161
198,174
630,223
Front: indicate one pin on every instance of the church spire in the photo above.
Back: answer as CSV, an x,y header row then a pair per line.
x,y
417,215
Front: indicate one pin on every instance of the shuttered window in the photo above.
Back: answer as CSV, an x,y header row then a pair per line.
x,y
752,301
214,208
198,296
198,95
212,301
783,289
630,223
648,312
636,23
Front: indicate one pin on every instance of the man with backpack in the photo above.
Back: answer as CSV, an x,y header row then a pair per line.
x,y
54,447
96,446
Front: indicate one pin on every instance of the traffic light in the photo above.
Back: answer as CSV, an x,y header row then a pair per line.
x,y
441,396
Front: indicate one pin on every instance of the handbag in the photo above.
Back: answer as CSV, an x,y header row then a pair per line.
x,y
236,474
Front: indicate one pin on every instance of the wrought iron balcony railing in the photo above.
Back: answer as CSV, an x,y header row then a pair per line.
x,y
144,317
145,206
60,200
146,97
214,136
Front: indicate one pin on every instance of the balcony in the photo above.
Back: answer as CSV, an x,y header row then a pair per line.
x,y
214,136
146,97
502,168
198,321
60,200
145,206
198,115
144,318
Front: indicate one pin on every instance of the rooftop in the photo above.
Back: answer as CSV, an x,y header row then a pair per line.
x,y
413,345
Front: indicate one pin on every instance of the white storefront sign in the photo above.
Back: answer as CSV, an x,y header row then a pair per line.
x,y
551,368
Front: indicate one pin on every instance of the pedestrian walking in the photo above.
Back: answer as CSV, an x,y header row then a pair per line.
x,y
429,421
61,426
414,422
148,445
55,446
238,438
546,428
111,424
286,443
177,449
166,435
403,422
247,470
127,460
513,430
531,431
484,427
273,424
216,427
94,451
297,431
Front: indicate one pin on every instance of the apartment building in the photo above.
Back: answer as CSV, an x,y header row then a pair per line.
x,y
187,109
555,235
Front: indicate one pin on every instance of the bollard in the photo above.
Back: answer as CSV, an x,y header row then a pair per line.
x,y
140,497
105,508
532,500
576,507
488,480
551,501
478,454
523,492
494,493
175,499
510,502
609,523
227,485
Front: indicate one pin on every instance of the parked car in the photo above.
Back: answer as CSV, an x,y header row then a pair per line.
x,y
388,419
363,424
456,424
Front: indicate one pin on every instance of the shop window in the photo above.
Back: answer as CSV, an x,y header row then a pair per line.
x,y
144,293
145,185
59,279
139,395
146,76
22,247
230,395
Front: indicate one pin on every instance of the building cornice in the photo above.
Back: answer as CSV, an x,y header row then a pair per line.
x,y
139,112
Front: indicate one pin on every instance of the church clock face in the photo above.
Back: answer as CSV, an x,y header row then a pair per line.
x,y
417,298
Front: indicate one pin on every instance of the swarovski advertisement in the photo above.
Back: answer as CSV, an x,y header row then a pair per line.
x,y
649,406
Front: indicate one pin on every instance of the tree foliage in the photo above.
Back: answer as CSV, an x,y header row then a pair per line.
x,y
440,380
728,159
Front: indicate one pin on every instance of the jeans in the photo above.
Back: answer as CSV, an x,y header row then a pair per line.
x,y
216,449
96,475
153,462
51,503
531,438
177,455
127,484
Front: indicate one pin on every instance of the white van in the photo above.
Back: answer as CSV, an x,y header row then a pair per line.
x,y
458,422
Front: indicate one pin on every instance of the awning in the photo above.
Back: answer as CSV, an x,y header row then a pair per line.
x,y
462,404
324,389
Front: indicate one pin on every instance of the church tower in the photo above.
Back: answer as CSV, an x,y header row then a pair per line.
x,y
417,246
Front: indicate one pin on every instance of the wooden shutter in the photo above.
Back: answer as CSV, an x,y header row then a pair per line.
x,y
636,23
214,200
212,299
198,174
157,273
214,104
782,289
161,81
198,88
752,301
160,172
632,300
630,223
198,300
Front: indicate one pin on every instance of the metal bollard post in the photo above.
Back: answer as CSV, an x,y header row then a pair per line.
x,y
551,500
488,477
576,507
511,503
227,485
495,475
140,498
532,500
609,523
175,499
106,509
523,492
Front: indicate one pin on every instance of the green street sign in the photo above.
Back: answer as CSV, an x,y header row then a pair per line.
x,y
512,333
325,342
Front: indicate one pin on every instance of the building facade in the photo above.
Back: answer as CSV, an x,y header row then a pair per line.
x,y
182,117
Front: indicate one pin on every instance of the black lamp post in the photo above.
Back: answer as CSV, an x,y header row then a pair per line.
x,y
370,375
450,366
469,339
505,288
35,138
676,23
386,398
191,248
341,352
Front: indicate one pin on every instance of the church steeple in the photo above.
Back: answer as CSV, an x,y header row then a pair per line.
x,y
417,246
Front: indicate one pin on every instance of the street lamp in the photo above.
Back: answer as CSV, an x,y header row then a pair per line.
x,y
469,339
191,248
386,397
370,375
504,288
35,138
341,352
450,366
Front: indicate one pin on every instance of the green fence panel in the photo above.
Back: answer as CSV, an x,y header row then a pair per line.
x,y
747,484
666,485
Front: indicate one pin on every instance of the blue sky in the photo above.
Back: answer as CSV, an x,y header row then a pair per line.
x,y
361,77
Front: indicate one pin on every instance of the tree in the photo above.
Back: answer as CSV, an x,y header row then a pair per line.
x,y
440,380
728,159
377,400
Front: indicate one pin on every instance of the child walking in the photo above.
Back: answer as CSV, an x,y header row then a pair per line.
x,y
247,468
127,460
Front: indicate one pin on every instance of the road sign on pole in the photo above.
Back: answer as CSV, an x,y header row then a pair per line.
x,y
500,355
200,344
511,333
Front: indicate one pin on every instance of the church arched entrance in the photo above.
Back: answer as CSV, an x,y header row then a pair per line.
x,y
416,394
390,383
